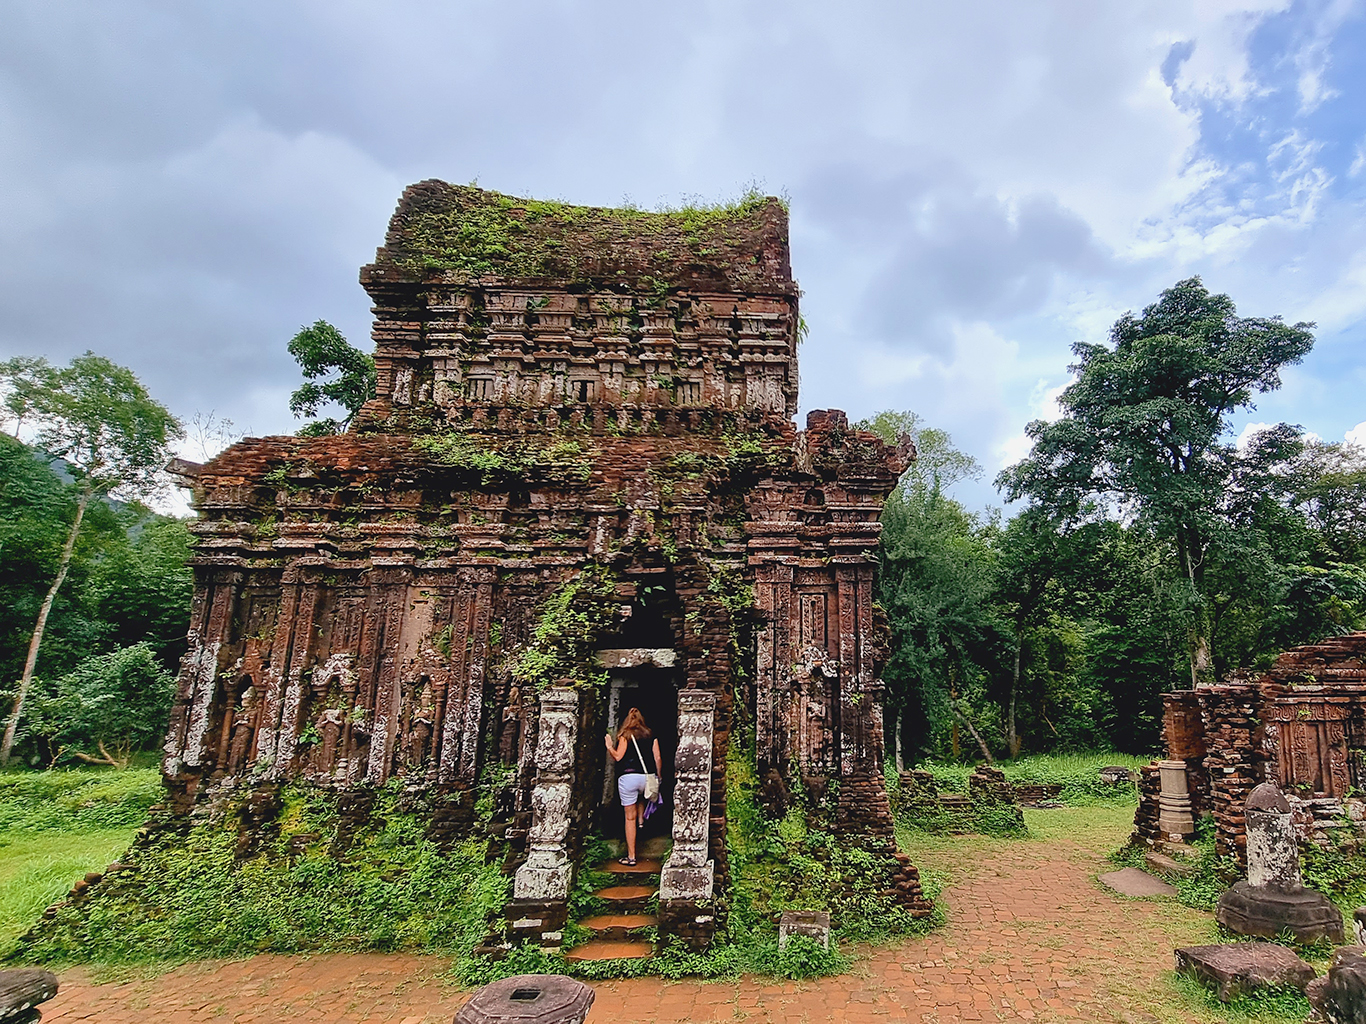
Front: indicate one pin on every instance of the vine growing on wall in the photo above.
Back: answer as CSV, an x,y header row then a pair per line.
x,y
562,640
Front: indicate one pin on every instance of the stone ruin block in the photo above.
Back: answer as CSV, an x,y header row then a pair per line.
x,y
1241,968
814,924
1339,997
1301,725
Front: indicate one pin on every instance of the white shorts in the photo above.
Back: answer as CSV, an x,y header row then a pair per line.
x,y
630,788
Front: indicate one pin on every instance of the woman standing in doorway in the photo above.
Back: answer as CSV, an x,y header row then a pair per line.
x,y
637,751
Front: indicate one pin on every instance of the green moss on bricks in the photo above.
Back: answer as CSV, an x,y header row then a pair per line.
x,y
477,234
493,458
570,621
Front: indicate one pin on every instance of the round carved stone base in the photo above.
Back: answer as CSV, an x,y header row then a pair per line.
x,y
1266,912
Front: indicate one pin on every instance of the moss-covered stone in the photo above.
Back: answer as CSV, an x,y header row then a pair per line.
x,y
474,234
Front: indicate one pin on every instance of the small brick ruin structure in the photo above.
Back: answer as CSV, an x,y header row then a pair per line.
x,y
1302,726
579,488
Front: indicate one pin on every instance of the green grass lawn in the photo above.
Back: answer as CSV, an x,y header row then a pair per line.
x,y
56,826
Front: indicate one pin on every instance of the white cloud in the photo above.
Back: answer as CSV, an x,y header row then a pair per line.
x,y
1357,435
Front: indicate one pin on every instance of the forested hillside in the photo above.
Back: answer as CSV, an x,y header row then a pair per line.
x,y
117,627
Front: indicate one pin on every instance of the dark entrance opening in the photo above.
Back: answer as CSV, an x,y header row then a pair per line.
x,y
642,672
653,691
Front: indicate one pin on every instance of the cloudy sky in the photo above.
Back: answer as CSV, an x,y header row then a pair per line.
x,y
974,185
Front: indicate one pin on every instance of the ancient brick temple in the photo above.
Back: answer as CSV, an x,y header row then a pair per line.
x,y
1302,725
579,489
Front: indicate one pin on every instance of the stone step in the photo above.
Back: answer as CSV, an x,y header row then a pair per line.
x,y
617,926
609,949
643,866
627,899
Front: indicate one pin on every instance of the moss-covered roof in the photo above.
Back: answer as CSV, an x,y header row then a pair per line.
x,y
441,231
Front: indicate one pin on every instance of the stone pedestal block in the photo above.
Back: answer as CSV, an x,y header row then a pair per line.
x,y
1250,910
1175,818
529,999
1273,899
814,924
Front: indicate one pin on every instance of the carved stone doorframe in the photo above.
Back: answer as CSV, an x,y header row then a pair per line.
x,y
687,881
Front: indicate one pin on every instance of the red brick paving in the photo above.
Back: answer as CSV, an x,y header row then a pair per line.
x,y
1031,936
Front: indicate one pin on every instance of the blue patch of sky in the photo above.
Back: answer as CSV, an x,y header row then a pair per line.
x,y
1269,139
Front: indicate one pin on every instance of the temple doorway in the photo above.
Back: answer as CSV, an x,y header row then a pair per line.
x,y
647,681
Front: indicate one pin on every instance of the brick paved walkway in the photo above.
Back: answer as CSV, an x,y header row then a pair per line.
x,y
1031,936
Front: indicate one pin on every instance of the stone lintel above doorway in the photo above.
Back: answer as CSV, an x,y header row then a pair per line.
x,y
638,657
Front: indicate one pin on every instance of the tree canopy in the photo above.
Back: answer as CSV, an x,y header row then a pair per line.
x,y
322,350
1146,428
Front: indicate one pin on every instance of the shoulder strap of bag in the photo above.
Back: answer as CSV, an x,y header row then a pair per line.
x,y
639,756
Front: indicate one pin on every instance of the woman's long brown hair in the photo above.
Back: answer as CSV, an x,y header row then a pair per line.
x,y
634,726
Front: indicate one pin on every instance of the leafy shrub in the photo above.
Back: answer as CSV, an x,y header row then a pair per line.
x,y
1338,871
106,708
804,957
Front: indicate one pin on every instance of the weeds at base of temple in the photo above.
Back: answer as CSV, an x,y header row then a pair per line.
x,y
186,889
183,893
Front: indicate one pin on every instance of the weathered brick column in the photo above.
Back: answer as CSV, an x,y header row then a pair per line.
x,y
687,881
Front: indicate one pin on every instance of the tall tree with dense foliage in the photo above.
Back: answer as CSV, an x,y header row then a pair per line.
x,y
113,437
23,379
935,586
322,350
1146,427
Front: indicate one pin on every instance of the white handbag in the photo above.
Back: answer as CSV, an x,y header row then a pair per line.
x,y
651,778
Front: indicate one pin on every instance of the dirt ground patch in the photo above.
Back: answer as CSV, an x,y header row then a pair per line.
x,y
1030,936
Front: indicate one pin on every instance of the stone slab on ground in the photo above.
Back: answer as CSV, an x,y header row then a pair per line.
x,y
1339,997
1237,968
1135,882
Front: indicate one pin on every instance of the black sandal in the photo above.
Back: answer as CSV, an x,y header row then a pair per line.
x,y
628,862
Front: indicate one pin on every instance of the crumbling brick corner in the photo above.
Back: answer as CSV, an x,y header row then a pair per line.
x,y
1302,725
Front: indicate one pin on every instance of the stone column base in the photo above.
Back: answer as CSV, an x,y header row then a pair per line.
x,y
537,921
692,922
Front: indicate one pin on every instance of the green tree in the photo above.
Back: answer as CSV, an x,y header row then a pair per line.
x,y
113,437
935,586
140,590
1146,427
105,709
1031,553
24,379
322,350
